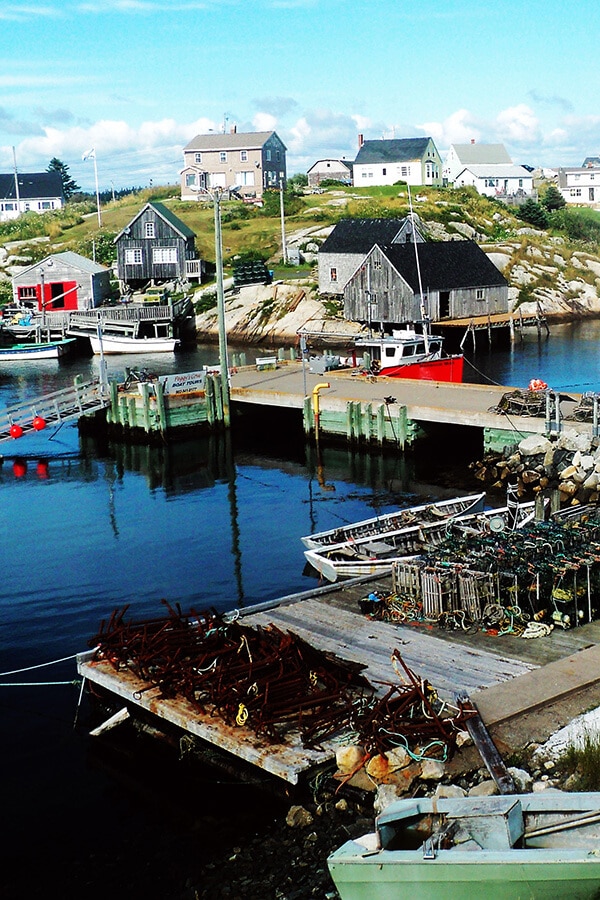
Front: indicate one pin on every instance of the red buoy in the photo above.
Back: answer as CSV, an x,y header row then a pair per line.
x,y
38,423
19,468
16,431
42,469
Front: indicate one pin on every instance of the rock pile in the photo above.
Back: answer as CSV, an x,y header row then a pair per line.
x,y
568,463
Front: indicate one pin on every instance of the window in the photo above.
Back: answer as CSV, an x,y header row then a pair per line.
x,y
161,255
363,174
133,257
268,155
575,192
333,274
384,171
9,206
404,171
480,294
27,293
149,230
45,204
243,156
245,178
190,179
222,156
577,177
520,182
277,155
376,262
198,157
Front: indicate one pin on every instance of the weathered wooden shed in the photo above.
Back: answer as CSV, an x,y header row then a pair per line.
x,y
62,281
349,243
156,246
457,279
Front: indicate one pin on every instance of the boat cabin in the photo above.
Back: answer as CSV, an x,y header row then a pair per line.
x,y
401,346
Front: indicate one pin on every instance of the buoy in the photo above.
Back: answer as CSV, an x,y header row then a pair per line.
x,y
42,468
16,431
39,424
19,468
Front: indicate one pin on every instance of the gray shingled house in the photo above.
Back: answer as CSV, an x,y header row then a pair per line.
x,y
457,278
156,246
349,243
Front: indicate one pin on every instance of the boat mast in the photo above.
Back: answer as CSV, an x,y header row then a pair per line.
x,y
424,317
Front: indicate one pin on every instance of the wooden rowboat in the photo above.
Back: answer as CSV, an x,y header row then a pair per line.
x,y
542,846
400,518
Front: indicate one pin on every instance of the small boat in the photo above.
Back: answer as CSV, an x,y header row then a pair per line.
x,y
406,353
541,846
376,555
126,343
46,350
400,518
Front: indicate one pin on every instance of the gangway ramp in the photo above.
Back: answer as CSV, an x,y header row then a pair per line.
x,y
83,398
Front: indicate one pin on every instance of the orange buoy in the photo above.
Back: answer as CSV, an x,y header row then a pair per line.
x,y
38,423
15,431
19,468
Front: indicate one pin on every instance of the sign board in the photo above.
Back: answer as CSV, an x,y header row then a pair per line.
x,y
182,383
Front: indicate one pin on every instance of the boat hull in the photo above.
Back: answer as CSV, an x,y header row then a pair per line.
x,y
25,352
449,369
133,345
510,875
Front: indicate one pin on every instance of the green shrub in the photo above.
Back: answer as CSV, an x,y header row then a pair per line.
x,y
581,760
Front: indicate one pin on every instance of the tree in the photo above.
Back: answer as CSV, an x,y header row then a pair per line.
x,y
69,185
553,199
534,213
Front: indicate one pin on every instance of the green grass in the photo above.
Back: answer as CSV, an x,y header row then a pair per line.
x,y
582,761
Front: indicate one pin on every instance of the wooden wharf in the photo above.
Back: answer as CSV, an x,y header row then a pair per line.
x,y
82,399
515,322
507,677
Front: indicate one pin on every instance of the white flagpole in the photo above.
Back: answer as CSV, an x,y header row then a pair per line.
x,y
97,193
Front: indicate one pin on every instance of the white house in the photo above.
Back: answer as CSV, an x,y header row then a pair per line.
x,y
459,156
337,169
580,185
502,180
415,161
30,192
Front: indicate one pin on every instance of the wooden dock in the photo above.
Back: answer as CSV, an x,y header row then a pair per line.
x,y
330,620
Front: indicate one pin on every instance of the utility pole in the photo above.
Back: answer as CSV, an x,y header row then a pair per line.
x,y
223,364
283,243
18,198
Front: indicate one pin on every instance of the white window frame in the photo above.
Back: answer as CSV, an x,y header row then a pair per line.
x,y
149,230
133,256
164,256
479,294
198,157
243,156
223,156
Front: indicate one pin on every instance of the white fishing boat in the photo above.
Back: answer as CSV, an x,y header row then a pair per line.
x,y
376,555
406,353
132,337
113,343
30,352
541,846
400,518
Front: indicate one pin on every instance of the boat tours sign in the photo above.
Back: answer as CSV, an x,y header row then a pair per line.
x,y
183,383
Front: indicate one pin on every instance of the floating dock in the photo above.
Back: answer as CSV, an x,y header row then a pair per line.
x,y
330,620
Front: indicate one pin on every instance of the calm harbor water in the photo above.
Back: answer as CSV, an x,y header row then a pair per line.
x,y
203,524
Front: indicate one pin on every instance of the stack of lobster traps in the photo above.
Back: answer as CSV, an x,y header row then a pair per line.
x,y
512,581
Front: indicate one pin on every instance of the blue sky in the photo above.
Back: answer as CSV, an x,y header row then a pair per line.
x,y
137,79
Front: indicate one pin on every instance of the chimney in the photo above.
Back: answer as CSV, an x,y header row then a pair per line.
x,y
233,129
472,140
361,140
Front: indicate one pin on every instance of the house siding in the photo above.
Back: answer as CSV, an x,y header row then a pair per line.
x,y
165,238
419,171
81,290
580,186
249,167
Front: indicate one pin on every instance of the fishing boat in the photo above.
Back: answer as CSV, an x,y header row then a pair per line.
x,y
541,846
133,341
400,518
30,351
376,555
406,353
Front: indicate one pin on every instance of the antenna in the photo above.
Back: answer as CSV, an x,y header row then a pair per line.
x,y
423,310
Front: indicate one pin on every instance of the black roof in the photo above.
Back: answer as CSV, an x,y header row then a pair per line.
x,y
359,235
401,150
445,265
32,186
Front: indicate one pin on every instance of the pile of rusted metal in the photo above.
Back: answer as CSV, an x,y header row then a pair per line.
x,y
272,682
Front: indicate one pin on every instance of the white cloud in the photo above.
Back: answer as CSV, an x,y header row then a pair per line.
x,y
518,124
458,128
263,121
18,12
